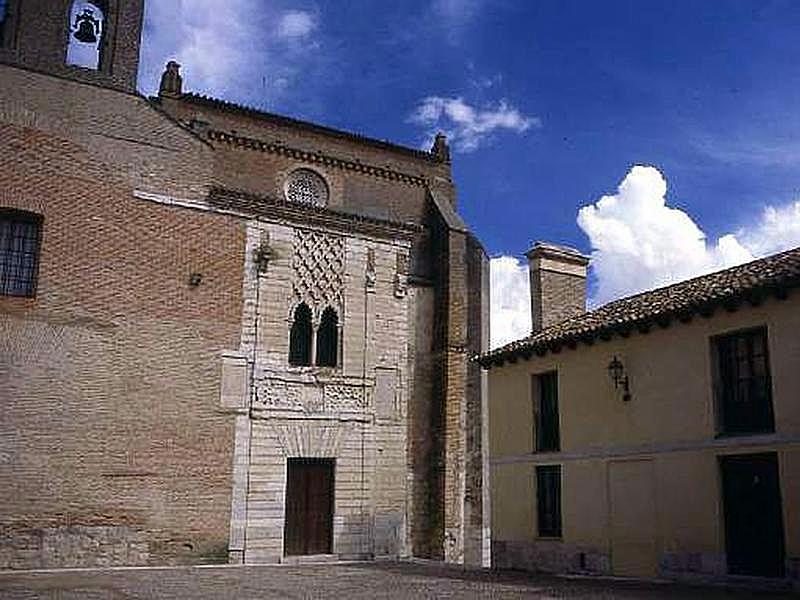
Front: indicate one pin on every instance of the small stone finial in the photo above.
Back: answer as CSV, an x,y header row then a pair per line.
x,y
171,81
440,148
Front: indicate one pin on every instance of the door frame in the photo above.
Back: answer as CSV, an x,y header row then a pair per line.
x,y
329,462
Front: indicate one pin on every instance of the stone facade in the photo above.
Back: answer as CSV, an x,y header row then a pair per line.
x,y
150,407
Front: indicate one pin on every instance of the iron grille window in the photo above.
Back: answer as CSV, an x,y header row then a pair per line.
x,y
300,337
545,406
328,339
20,234
743,384
548,500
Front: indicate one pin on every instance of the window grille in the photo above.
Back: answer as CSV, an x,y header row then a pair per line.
x,y
20,234
305,186
742,381
548,500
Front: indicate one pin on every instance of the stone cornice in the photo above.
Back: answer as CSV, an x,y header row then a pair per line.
x,y
231,107
271,208
319,158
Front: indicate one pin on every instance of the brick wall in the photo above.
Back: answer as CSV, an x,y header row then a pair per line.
x,y
109,377
556,297
120,134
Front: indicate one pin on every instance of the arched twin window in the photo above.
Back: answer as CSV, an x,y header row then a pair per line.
x,y
300,337
328,339
307,347
87,25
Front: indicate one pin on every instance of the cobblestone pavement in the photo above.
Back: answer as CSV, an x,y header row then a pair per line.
x,y
349,581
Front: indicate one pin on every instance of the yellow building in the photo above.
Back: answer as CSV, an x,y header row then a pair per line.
x,y
656,436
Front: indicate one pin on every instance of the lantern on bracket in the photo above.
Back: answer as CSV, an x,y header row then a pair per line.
x,y
616,370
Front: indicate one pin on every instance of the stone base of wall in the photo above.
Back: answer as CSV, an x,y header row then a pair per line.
x,y
74,546
688,567
550,557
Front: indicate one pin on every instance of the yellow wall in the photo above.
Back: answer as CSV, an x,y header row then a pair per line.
x,y
670,421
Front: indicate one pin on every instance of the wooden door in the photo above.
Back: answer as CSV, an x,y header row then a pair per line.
x,y
634,536
309,506
753,519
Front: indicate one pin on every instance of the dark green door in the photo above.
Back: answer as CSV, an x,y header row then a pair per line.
x,y
753,518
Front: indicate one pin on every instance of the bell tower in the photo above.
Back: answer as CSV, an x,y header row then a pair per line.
x,y
96,41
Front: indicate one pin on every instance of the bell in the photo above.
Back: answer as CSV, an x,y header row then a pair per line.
x,y
86,32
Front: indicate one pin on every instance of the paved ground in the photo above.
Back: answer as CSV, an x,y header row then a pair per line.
x,y
349,581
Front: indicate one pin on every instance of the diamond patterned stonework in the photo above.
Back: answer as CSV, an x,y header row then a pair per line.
x,y
305,186
318,268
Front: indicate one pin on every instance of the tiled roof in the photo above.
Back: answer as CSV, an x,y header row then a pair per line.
x,y
329,131
728,289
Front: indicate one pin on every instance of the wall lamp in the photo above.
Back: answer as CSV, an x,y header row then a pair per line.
x,y
616,371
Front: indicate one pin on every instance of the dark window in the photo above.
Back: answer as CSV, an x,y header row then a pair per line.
x,y
545,407
300,337
5,24
548,500
19,252
328,339
3,19
742,382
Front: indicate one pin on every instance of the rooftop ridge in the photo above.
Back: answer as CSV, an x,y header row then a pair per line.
x,y
751,282
220,104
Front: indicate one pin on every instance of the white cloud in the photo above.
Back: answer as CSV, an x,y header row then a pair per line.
x,y
640,243
209,39
778,229
466,126
455,14
296,24
223,49
510,314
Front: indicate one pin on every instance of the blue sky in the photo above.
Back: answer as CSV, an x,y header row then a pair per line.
x,y
549,105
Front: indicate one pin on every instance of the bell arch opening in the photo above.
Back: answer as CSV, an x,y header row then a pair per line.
x,y
87,32
300,336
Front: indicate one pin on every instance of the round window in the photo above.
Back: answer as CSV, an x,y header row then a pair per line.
x,y
305,186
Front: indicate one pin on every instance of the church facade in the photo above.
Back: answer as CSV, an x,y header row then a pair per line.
x,y
227,335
